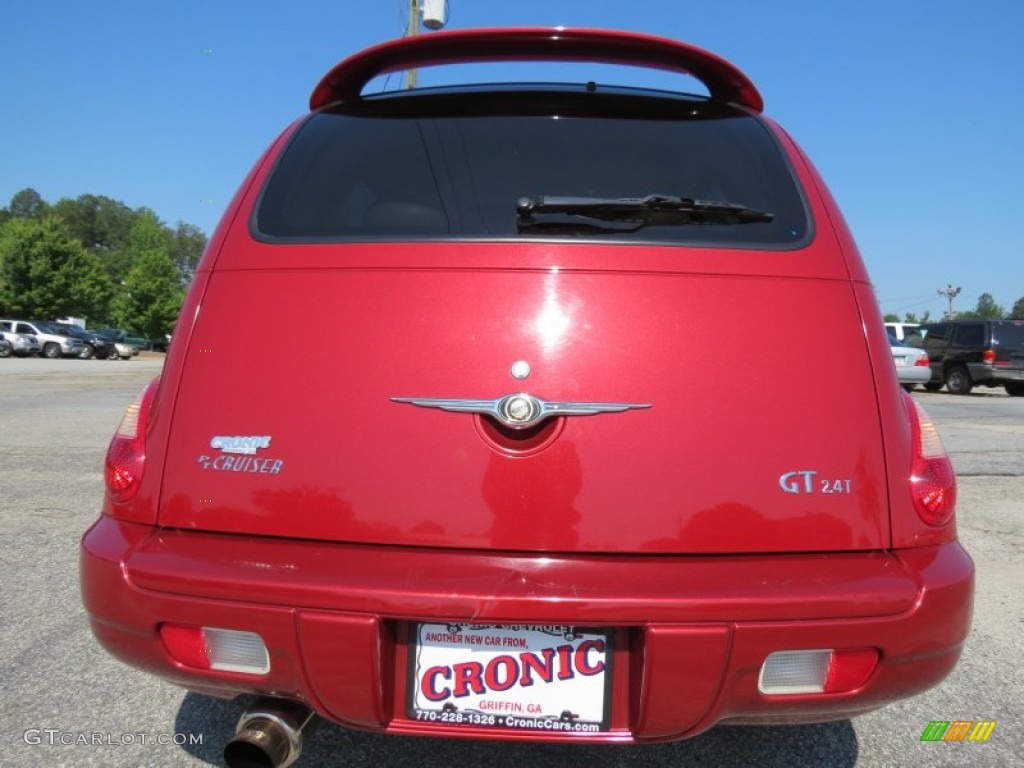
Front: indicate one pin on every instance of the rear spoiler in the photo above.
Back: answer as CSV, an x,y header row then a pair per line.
x,y
725,83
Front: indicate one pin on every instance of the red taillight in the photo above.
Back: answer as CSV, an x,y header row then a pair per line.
x,y
988,356
850,668
932,480
922,362
126,456
186,644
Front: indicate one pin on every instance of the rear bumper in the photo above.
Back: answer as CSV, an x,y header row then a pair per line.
x,y
335,619
993,375
913,374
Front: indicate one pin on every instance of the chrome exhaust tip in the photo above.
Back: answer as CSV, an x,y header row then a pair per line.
x,y
269,735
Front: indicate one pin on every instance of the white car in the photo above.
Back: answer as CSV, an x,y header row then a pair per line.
x,y
912,365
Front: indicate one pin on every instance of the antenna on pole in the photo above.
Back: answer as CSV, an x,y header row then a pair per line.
x,y
949,292
433,14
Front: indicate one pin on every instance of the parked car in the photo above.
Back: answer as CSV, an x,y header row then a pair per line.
x,y
901,330
124,337
969,353
161,344
20,344
123,350
509,500
94,344
53,341
912,366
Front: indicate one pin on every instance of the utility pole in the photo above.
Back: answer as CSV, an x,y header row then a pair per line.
x,y
413,29
949,292
432,14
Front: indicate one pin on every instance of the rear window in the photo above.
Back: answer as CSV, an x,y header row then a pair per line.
x,y
384,172
1009,333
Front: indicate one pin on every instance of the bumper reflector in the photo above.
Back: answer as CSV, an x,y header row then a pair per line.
x,y
225,650
816,671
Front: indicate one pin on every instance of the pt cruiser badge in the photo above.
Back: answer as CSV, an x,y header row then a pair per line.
x,y
519,410
238,454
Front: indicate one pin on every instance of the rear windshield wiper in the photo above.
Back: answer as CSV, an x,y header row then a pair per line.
x,y
631,213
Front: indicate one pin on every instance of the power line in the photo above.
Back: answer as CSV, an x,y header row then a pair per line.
x,y
904,307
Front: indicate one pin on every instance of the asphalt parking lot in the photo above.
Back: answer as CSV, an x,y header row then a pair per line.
x,y
65,702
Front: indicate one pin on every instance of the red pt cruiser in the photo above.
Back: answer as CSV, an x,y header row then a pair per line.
x,y
546,470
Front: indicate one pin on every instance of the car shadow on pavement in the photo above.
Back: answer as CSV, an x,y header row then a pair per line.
x,y
833,744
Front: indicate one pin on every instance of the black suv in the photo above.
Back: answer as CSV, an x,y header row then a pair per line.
x,y
94,344
965,353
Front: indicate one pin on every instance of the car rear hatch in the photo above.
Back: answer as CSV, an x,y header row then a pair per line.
x,y
390,262
1008,340
753,441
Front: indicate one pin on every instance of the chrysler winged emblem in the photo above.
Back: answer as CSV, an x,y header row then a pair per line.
x,y
519,410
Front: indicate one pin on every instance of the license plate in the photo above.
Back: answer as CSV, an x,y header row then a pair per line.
x,y
544,679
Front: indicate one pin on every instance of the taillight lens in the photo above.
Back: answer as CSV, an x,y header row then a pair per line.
x,y
225,650
850,668
932,480
988,356
126,456
828,670
922,362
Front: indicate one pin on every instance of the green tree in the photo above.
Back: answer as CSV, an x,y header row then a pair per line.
x,y
986,309
909,317
46,273
151,294
27,204
104,227
187,243
1017,313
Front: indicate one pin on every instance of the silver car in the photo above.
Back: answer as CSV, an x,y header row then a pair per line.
x,y
912,365
53,342
20,344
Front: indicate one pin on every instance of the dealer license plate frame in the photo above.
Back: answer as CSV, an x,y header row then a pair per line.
x,y
565,695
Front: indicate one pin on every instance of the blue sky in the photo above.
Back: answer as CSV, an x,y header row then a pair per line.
x,y
911,109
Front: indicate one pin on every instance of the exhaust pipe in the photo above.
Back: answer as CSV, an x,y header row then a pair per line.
x,y
269,735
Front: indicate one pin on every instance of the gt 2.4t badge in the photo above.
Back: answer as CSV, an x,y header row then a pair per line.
x,y
806,481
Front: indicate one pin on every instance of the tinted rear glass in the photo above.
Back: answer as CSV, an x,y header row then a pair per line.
x,y
971,335
1008,333
387,174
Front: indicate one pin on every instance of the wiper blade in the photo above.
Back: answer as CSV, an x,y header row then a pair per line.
x,y
645,211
